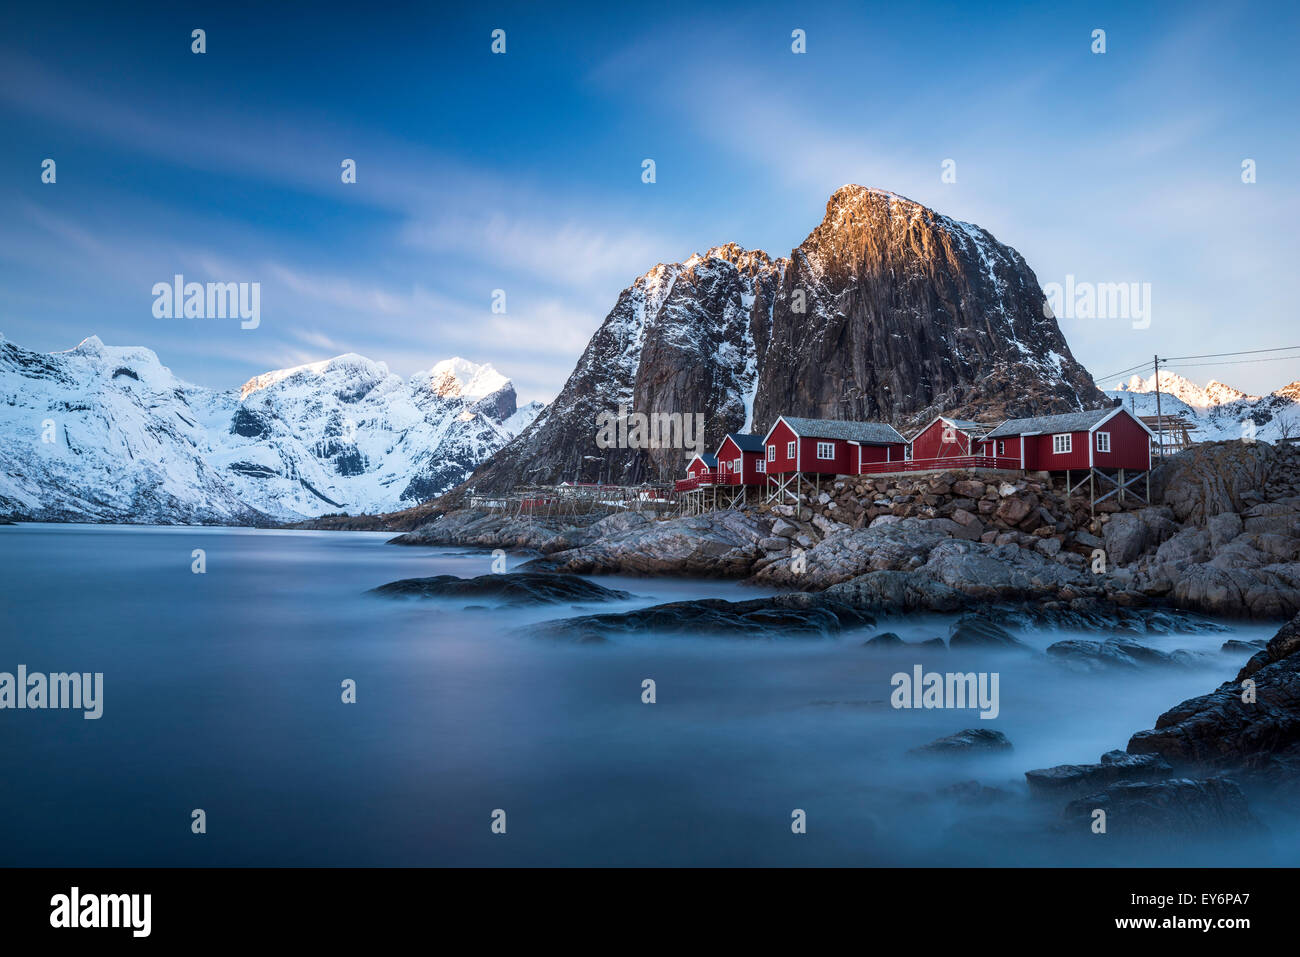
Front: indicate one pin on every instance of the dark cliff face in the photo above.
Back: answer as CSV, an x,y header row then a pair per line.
x,y
680,340
909,313
887,311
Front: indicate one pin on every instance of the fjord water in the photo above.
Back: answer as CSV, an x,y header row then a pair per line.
x,y
222,691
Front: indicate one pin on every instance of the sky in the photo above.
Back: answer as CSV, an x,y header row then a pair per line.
x,y
522,171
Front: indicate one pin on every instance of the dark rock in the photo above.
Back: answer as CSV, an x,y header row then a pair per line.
x,y
1220,730
1175,808
886,639
1067,780
973,631
1238,647
966,742
973,793
513,588
782,616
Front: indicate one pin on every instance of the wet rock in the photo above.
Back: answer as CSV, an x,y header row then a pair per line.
x,y
1069,780
973,793
974,631
796,615
1254,728
886,639
969,741
513,588
1235,647
721,544
1179,807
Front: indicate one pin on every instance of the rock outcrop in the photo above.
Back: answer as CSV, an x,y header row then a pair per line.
x,y
514,588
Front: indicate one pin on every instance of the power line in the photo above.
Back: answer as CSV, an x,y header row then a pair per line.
x,y
1235,362
1208,355
1111,375
1213,355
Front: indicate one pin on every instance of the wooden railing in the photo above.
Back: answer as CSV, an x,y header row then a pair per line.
x,y
950,462
696,481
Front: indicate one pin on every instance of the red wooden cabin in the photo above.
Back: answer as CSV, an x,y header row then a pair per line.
x,y
740,460
829,446
702,470
1110,438
947,438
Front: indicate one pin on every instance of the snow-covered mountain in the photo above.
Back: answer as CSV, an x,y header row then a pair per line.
x,y
107,433
1216,410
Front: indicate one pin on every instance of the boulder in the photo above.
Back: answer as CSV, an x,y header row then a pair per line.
x,y
1072,780
1162,810
970,741
512,588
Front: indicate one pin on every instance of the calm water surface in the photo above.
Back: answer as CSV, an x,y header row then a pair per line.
x,y
222,692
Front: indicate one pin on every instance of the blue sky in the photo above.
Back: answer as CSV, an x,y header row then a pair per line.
x,y
522,172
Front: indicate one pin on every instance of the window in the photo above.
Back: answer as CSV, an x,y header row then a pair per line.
x,y
771,453
789,450
1103,441
826,450
737,466
1062,443
907,453
1002,448
761,466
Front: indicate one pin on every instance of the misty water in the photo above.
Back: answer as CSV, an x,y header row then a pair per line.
x,y
222,692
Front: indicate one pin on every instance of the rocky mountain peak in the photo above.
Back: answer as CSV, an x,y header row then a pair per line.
x,y
888,310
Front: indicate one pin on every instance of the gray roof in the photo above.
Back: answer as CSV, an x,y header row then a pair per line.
x,y
966,425
1066,422
872,433
746,441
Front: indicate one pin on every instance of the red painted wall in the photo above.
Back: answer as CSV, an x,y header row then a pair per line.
x,y
1129,444
1039,454
883,453
991,446
749,474
929,444
781,463
844,463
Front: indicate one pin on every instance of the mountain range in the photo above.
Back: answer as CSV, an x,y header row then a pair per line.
x,y
1216,411
103,433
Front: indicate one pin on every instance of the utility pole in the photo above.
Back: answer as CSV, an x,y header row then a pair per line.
x,y
1160,419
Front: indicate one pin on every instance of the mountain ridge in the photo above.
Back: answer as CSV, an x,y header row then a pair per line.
x,y
108,433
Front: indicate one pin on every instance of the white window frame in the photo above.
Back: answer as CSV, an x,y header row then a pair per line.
x,y
771,453
791,449
1100,446
738,465
1002,447
826,451
761,466
1060,447
907,453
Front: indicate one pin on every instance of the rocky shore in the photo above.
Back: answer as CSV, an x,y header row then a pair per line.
x,y
1222,537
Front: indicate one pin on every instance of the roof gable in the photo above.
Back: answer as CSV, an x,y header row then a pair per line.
x,y
1065,422
870,433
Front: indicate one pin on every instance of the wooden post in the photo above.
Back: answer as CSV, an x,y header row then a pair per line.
x,y
1160,419
1121,487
